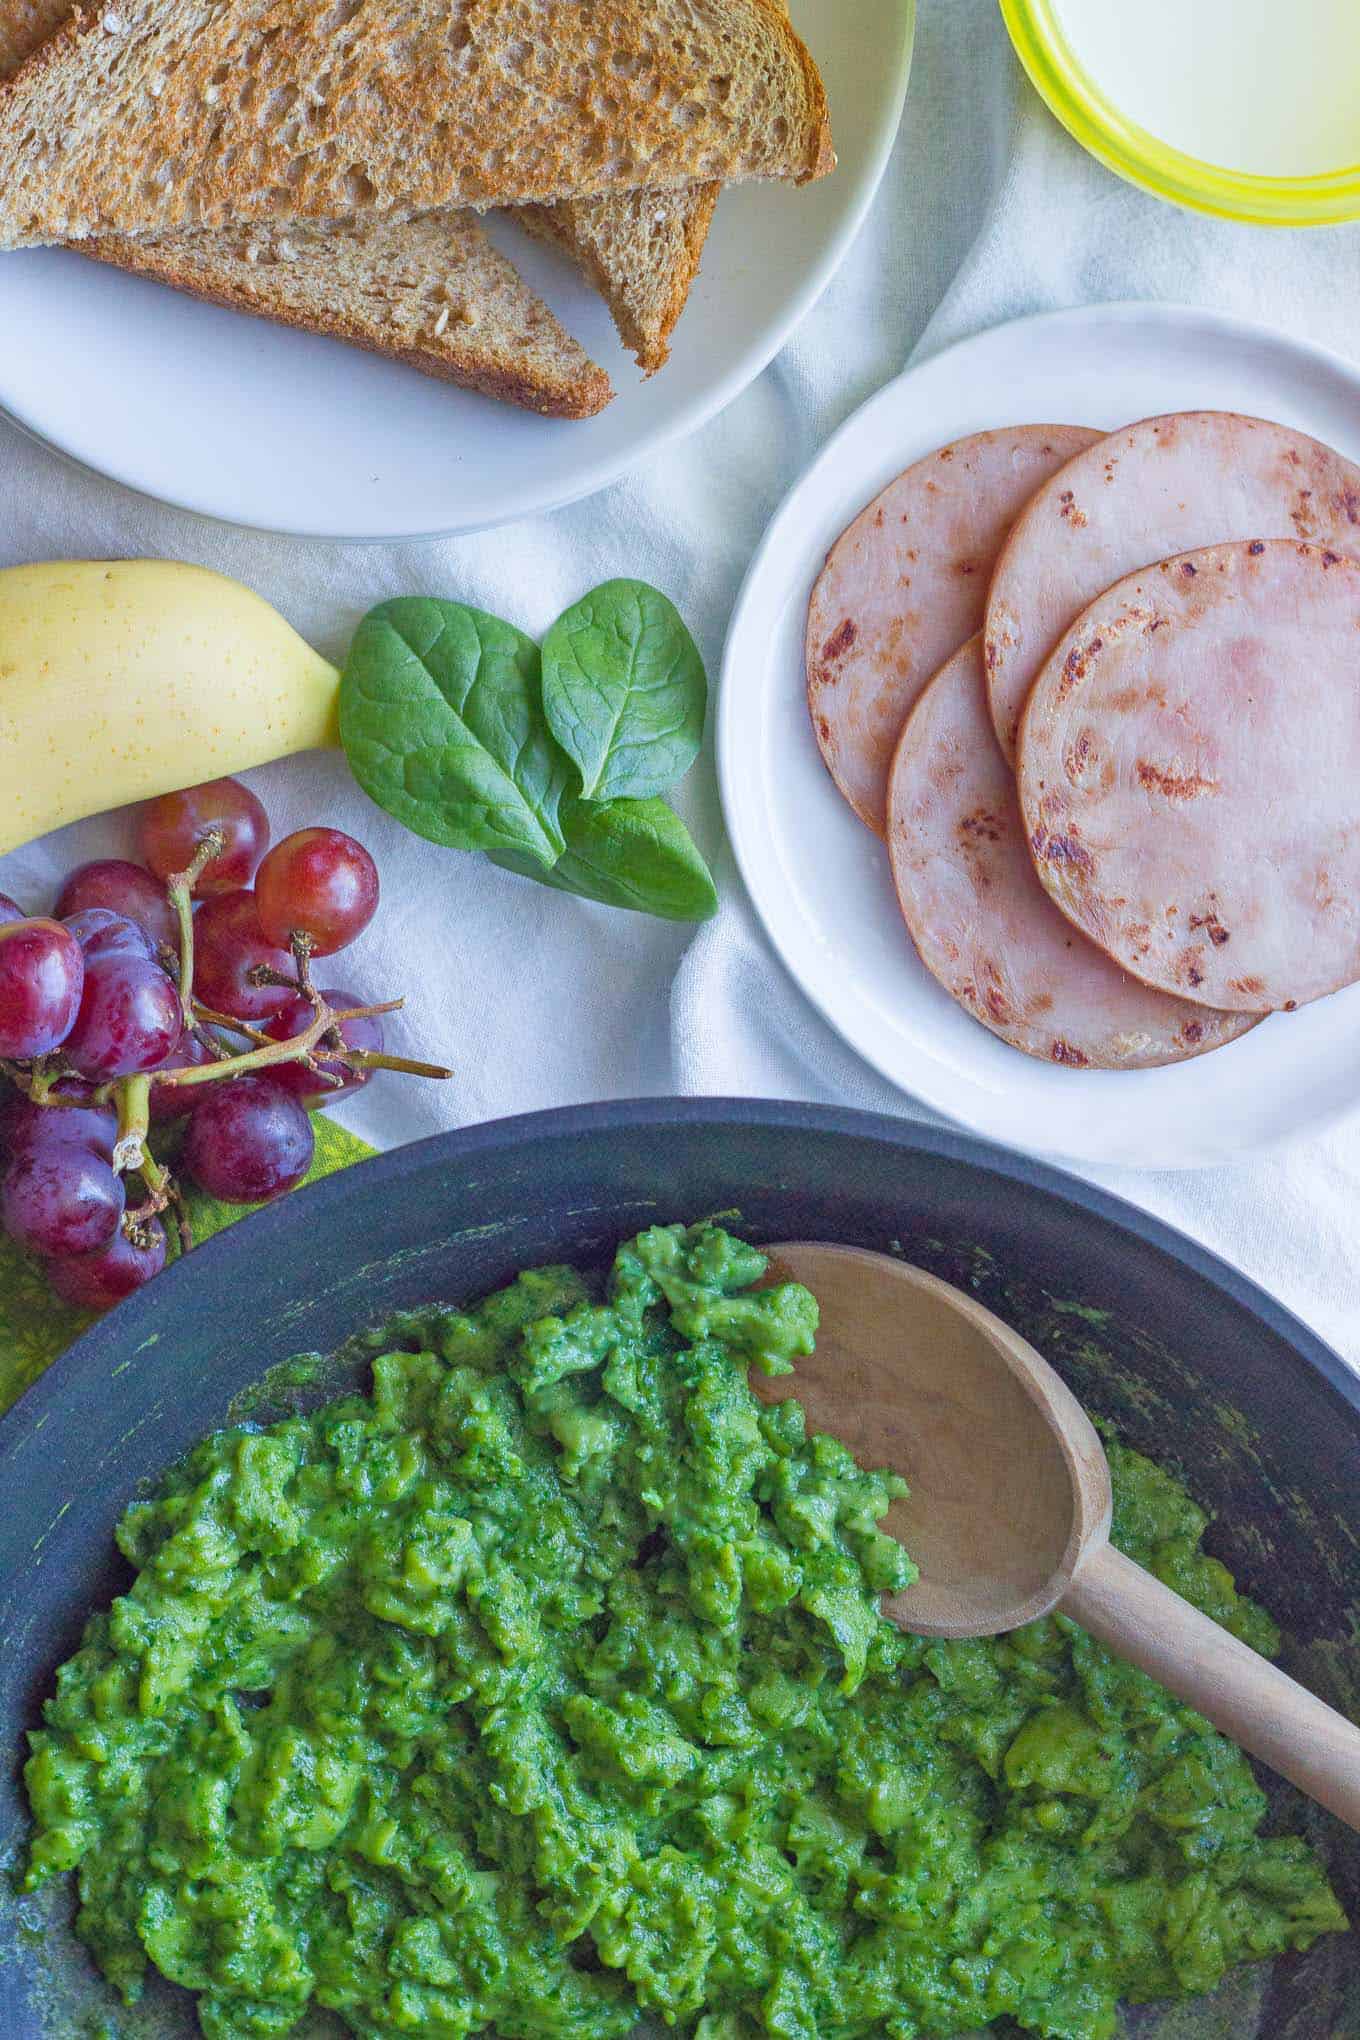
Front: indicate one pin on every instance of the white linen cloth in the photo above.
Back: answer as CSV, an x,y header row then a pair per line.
x,y
987,211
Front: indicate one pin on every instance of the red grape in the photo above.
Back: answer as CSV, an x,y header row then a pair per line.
x,y
248,1140
99,1280
25,1126
125,888
10,910
129,1018
295,1019
101,932
228,943
171,1101
61,1197
173,826
42,973
318,882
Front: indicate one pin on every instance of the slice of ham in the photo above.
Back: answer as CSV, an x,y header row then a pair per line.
x,y
904,586
1164,486
982,922
1190,774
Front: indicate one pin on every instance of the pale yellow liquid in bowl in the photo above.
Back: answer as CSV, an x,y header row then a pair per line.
x,y
1270,88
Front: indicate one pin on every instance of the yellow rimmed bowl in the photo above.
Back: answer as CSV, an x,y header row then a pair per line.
x,y
1092,118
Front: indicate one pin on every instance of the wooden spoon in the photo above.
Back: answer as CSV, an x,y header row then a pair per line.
x,y
1009,1512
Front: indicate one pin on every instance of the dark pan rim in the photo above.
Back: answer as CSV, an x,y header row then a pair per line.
x,y
125,1327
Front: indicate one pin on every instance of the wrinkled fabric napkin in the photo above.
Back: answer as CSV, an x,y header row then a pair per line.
x,y
987,212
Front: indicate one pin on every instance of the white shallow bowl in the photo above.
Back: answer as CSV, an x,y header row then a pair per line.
x,y
216,412
820,882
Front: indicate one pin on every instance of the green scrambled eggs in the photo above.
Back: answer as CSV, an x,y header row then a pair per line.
x,y
543,1691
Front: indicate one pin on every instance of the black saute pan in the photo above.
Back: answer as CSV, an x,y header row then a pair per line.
x,y
1196,1366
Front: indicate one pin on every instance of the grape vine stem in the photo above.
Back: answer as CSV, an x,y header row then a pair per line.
x,y
163,1194
133,1095
353,1058
271,1054
179,890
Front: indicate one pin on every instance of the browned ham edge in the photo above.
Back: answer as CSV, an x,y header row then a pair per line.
x,y
1189,766
904,586
980,919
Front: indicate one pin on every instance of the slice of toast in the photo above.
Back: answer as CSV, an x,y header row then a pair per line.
x,y
154,115
641,251
432,292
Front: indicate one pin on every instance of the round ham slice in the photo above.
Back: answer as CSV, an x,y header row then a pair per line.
x,y
1164,486
904,586
981,920
1190,774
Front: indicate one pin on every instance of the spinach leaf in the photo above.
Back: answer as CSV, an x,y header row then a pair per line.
x,y
627,853
624,691
441,719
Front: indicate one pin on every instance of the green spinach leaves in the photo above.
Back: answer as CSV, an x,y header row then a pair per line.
x,y
627,853
624,691
553,763
442,724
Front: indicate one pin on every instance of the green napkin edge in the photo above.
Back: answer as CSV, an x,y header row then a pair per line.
x,y
36,1327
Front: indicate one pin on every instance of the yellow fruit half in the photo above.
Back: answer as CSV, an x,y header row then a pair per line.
x,y
120,679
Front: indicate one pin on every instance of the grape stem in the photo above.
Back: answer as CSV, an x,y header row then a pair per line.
x,y
373,1059
134,1119
207,1017
271,1054
300,942
179,890
353,1058
35,1082
163,1194
39,1086
205,1038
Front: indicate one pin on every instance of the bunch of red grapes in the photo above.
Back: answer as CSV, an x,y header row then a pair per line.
x,y
174,993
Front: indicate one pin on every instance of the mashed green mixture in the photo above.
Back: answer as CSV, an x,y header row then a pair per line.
x,y
544,1690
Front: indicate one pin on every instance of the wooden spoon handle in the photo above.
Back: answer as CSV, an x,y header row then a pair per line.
x,y
1249,1699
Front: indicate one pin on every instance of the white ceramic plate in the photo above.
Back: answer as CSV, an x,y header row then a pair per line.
x,y
820,881
219,413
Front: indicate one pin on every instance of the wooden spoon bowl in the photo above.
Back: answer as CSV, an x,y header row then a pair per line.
x,y
1009,1512
909,1374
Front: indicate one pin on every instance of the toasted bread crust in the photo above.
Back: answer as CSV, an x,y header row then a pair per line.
x,y
262,111
644,279
653,353
641,249
645,298
24,26
575,388
823,151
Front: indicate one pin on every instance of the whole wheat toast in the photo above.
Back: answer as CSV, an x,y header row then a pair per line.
x,y
640,249
644,296
432,292
155,115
